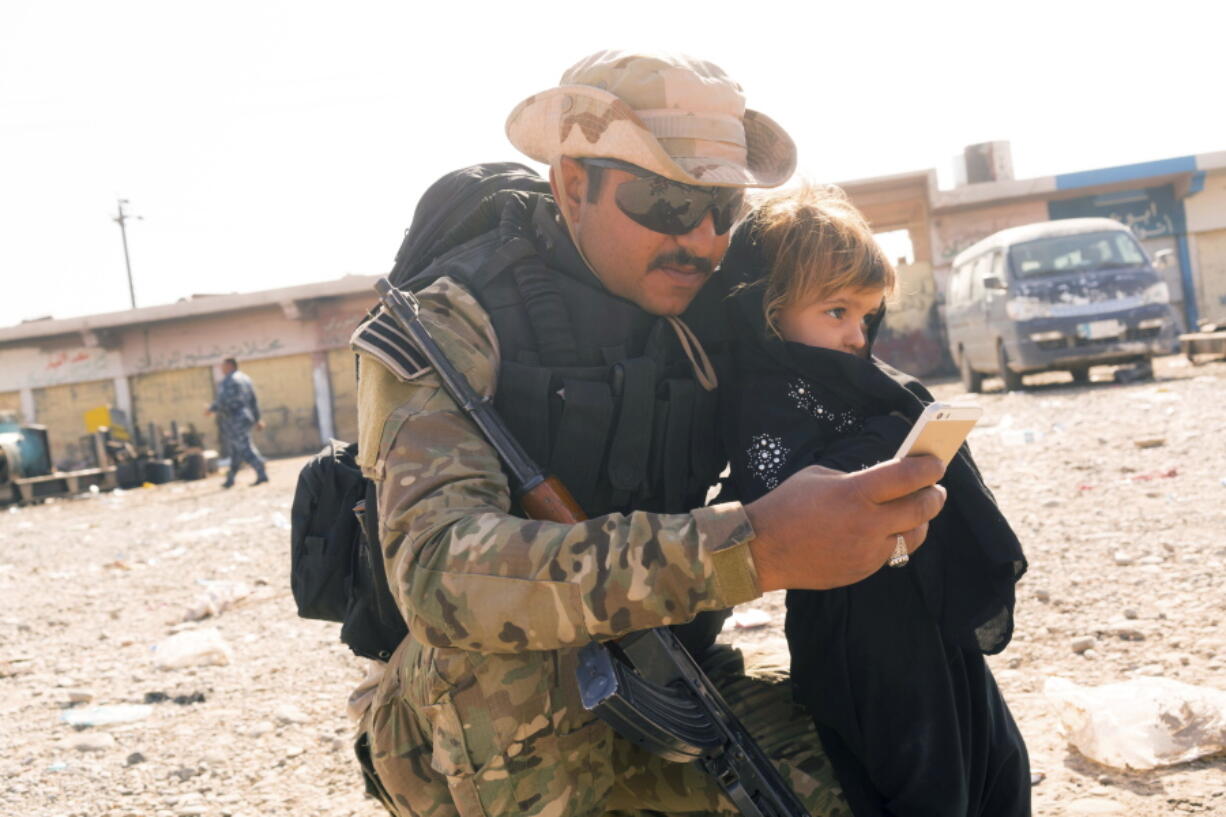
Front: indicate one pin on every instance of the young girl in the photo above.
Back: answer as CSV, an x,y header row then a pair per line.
x,y
892,669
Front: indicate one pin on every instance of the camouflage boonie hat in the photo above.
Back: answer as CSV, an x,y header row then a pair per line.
x,y
678,117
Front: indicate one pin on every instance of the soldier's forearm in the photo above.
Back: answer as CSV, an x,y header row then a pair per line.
x,y
497,583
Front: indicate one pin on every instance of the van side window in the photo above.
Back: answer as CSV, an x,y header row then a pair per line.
x,y
959,285
1128,250
968,281
998,266
1075,253
979,271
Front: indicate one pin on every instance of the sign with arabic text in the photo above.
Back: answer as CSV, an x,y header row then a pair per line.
x,y
1151,212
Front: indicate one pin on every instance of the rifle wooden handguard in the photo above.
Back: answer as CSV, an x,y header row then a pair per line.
x,y
551,502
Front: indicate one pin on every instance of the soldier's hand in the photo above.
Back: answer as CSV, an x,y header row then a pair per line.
x,y
822,528
260,425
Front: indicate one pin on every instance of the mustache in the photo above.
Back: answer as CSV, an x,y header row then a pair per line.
x,y
683,258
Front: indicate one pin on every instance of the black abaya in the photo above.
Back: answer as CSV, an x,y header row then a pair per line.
x,y
892,669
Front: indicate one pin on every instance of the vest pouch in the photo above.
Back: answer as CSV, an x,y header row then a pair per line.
x,y
320,580
583,434
523,399
674,416
373,626
324,534
370,629
706,454
629,452
357,629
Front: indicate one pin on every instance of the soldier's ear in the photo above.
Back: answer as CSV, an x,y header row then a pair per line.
x,y
569,181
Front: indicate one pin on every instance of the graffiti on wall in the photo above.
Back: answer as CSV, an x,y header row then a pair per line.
x,y
910,338
913,298
336,330
957,231
206,355
79,364
31,369
956,244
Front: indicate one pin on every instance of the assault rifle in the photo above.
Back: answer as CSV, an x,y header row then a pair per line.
x,y
646,686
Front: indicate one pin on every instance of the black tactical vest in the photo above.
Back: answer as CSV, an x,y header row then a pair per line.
x,y
597,391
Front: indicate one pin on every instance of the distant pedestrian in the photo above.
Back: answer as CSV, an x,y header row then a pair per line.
x,y
238,412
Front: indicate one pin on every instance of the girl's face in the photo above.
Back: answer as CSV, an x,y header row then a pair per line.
x,y
839,321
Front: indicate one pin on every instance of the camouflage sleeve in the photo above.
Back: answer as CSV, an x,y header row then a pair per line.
x,y
467,574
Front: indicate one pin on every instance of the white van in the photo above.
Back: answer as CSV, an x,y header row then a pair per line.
x,y
1064,294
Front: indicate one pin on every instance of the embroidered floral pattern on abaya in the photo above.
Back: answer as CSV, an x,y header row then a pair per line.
x,y
804,396
766,457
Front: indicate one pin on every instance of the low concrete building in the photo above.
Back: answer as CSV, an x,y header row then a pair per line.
x,y
1205,207
1176,205
161,363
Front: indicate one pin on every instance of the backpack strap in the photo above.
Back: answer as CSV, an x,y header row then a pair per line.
x,y
704,372
547,314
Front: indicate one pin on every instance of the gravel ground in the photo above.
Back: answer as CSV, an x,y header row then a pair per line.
x,y
1118,492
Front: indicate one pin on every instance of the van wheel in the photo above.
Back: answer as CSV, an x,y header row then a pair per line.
x,y
1013,380
972,380
1081,374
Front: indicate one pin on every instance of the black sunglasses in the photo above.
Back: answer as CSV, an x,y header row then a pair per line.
x,y
670,207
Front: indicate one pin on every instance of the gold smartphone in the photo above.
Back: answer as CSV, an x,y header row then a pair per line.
x,y
940,431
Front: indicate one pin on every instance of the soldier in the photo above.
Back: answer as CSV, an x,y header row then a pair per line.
x,y
239,411
591,315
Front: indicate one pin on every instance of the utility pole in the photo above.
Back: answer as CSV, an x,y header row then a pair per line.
x,y
123,232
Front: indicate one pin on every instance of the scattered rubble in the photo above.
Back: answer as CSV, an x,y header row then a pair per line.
x,y
751,618
90,583
106,715
192,648
1084,643
1142,723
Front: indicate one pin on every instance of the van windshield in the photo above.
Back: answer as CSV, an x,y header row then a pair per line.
x,y
1084,252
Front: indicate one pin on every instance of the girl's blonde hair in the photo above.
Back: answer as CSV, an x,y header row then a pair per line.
x,y
815,242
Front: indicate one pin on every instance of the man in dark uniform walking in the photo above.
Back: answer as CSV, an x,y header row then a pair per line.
x,y
238,411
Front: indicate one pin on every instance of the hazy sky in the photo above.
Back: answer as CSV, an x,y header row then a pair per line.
x,y
269,144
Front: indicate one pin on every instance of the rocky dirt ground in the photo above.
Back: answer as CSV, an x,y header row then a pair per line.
x,y
1118,492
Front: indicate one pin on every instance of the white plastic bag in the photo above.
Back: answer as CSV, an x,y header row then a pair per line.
x,y
1141,723
218,596
106,715
192,648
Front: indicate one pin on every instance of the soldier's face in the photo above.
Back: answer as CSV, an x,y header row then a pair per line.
x,y
661,273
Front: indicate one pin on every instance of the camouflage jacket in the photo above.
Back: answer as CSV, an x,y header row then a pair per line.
x,y
469,575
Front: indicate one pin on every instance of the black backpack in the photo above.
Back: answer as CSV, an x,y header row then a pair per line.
x,y
336,564
336,569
